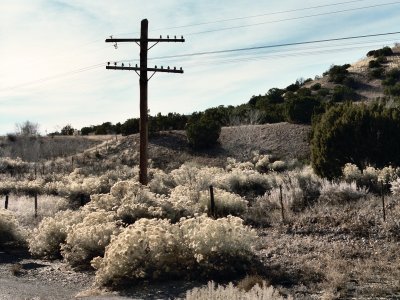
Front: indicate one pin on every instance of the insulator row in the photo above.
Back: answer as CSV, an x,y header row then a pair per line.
x,y
174,37
168,68
155,67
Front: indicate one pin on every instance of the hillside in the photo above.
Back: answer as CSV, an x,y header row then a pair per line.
x,y
367,87
169,149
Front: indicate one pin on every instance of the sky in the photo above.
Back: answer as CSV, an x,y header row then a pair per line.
x,y
53,53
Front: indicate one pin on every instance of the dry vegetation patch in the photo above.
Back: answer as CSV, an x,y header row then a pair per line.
x,y
334,252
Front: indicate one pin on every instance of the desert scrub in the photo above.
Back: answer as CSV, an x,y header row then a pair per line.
x,y
89,238
341,192
46,239
154,248
226,203
223,245
23,208
10,231
230,292
146,249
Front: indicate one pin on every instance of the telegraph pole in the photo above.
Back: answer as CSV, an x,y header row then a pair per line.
x,y
143,42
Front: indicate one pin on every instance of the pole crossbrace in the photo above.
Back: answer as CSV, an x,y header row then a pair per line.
x,y
142,70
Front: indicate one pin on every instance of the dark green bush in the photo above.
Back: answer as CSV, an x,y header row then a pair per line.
x,y
382,59
293,87
393,90
385,51
391,77
376,72
356,133
344,93
373,64
316,86
323,92
337,73
300,110
202,131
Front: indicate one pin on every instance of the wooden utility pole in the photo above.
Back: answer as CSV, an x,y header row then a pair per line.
x,y
143,42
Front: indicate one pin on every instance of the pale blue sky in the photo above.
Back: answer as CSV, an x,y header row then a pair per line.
x,y
43,40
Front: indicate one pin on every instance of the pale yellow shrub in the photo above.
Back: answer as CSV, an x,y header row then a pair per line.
x,y
230,292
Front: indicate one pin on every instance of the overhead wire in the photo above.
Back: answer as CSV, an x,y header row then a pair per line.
x,y
273,46
290,19
73,72
251,16
56,76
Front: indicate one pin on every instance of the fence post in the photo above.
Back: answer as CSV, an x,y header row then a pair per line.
x,y
383,202
36,205
281,202
212,201
6,202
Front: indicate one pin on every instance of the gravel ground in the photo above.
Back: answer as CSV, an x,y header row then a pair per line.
x,y
25,278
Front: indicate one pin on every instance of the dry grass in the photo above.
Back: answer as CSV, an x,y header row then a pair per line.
x,y
24,209
335,252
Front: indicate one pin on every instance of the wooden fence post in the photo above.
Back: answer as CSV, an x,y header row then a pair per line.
x,y
82,198
212,201
383,202
36,205
6,202
281,202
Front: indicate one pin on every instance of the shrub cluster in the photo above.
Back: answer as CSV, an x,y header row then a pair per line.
x,y
202,131
337,74
363,134
229,292
385,51
152,248
10,231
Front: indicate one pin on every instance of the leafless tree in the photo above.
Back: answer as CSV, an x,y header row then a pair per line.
x,y
27,128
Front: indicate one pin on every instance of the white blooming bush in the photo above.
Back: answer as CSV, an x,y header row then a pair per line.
x,y
226,203
160,182
88,239
278,166
195,177
351,172
185,202
13,166
233,164
148,248
341,192
230,292
218,245
262,162
10,230
370,177
395,187
246,182
141,203
301,188
23,208
7,186
46,239
152,248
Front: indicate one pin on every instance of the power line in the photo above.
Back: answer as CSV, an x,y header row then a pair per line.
x,y
237,50
274,46
291,19
49,78
252,16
